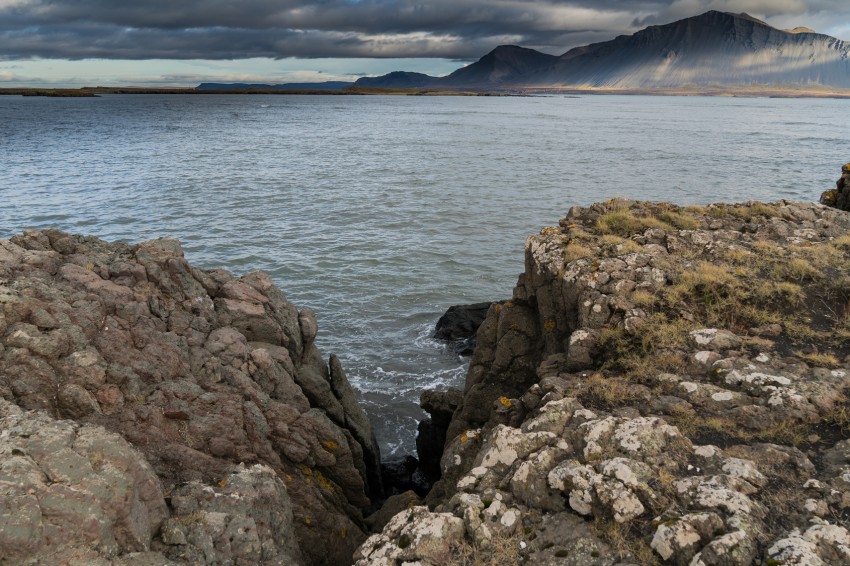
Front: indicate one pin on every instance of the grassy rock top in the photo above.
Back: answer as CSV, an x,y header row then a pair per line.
x,y
778,271
668,385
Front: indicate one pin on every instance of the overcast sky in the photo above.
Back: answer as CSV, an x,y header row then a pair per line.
x,y
183,42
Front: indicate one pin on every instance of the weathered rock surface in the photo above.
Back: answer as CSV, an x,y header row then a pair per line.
x,y
667,385
68,490
200,371
839,197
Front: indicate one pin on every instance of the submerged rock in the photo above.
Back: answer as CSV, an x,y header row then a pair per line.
x,y
459,324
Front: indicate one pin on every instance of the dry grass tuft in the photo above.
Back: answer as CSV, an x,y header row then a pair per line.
x,y
679,220
824,360
625,223
576,251
501,551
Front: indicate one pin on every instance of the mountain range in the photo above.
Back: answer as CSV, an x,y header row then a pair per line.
x,y
714,48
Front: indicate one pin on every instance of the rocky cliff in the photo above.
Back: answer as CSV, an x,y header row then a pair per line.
x,y
668,385
158,413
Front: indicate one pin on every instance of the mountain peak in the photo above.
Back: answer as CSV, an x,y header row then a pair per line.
x,y
720,48
746,16
504,64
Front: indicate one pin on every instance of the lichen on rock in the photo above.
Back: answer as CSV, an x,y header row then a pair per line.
x,y
677,380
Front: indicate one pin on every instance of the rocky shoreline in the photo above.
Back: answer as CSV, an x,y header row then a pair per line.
x,y
666,385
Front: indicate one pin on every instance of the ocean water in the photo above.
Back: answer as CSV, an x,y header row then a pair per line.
x,y
380,212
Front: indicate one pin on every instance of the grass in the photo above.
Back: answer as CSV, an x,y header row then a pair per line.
x,y
679,220
738,285
825,360
722,430
502,550
625,223
575,251
642,297
599,392
796,269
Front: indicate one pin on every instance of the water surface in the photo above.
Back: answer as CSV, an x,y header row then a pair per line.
x,y
380,212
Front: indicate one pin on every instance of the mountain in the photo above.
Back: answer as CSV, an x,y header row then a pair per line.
x,y
709,49
713,48
397,79
505,64
327,85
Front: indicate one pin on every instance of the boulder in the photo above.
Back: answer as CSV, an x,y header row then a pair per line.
x,y
459,324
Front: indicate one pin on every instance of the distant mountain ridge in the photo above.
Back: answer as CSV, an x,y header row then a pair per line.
x,y
710,49
327,85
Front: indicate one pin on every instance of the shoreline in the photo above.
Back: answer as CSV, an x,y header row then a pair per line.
x,y
749,91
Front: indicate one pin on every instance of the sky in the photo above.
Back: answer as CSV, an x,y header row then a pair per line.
x,y
72,43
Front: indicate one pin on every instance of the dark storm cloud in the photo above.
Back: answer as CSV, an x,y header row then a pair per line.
x,y
458,29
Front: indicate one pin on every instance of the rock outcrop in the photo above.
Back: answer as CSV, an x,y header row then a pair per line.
x,y
667,385
459,325
235,420
839,197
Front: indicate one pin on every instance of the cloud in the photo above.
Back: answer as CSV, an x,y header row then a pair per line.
x,y
454,29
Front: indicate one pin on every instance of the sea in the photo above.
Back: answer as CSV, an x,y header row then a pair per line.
x,y
380,212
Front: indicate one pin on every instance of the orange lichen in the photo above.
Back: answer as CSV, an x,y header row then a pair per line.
x,y
323,482
469,435
505,402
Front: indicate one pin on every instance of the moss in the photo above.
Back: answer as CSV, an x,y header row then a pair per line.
x,y
403,541
561,553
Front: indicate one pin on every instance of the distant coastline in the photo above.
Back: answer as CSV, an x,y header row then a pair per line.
x,y
755,91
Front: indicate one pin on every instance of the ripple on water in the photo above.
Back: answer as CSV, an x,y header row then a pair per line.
x,y
380,212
